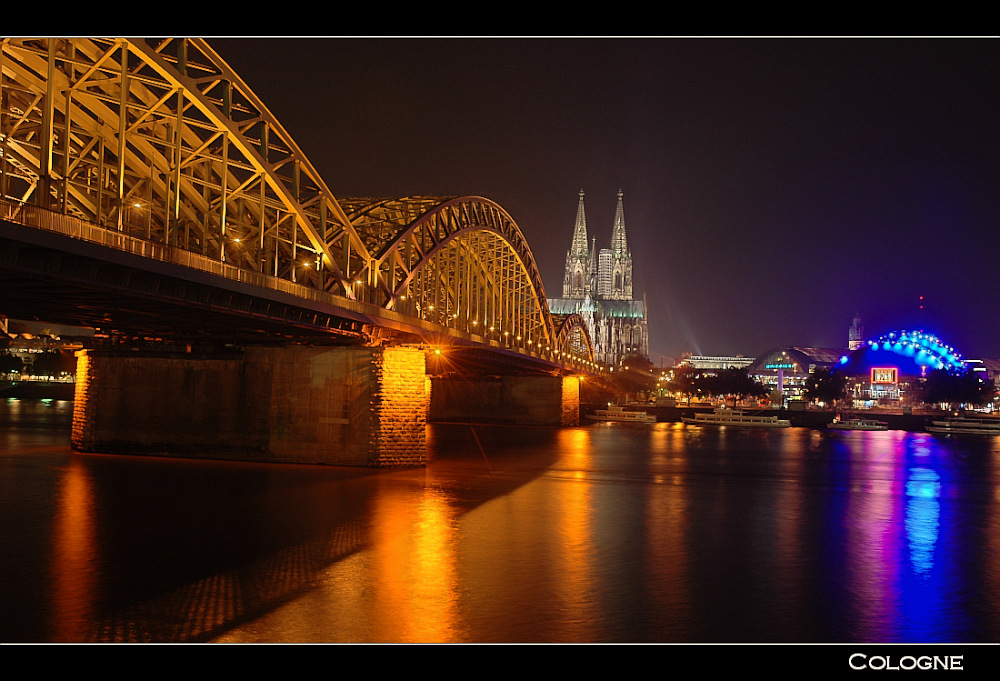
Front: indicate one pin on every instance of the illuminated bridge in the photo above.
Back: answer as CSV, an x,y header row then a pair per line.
x,y
145,191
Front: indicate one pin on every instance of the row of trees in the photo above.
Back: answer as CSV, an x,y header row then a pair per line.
x,y
733,382
52,363
830,386
938,387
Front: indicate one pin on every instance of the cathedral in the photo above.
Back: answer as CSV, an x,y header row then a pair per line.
x,y
597,284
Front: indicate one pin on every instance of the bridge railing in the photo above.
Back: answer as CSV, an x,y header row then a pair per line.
x,y
41,218
33,216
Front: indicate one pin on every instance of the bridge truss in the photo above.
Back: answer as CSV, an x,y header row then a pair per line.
x,y
159,141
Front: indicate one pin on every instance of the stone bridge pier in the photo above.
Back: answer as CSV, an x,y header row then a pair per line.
x,y
358,406
520,400
352,406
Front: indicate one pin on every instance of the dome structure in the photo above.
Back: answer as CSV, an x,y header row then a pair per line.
x,y
888,370
910,353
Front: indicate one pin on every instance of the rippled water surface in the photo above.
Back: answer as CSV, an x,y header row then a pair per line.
x,y
607,532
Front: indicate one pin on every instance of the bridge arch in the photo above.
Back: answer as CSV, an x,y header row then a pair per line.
x,y
160,140
460,262
574,337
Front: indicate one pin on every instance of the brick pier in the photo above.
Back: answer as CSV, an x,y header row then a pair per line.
x,y
358,406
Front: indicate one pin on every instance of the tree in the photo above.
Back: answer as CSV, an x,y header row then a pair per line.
x,y
826,385
635,374
10,364
54,363
731,382
942,387
683,380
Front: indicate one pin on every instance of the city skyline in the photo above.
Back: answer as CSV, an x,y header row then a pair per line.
x,y
773,188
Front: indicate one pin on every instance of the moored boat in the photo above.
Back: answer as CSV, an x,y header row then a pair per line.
x,y
964,425
858,424
736,417
620,414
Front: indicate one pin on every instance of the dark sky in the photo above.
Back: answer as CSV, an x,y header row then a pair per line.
x,y
773,187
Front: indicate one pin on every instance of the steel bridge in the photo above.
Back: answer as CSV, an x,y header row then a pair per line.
x,y
145,189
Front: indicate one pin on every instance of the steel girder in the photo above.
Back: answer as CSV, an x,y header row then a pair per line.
x,y
159,139
574,338
460,262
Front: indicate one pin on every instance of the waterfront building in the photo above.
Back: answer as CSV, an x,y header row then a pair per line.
x,y
597,284
786,370
888,371
704,362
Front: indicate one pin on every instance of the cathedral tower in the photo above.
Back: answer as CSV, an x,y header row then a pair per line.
x,y
576,280
598,286
621,257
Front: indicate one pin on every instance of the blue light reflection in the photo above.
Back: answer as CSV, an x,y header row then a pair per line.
x,y
923,512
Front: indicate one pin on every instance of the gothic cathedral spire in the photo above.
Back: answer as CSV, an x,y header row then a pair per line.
x,y
580,248
619,244
575,280
621,257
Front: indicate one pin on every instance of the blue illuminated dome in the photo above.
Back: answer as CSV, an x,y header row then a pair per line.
x,y
913,353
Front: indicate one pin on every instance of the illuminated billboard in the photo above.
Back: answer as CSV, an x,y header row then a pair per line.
x,y
884,375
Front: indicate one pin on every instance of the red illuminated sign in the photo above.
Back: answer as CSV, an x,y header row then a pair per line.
x,y
886,375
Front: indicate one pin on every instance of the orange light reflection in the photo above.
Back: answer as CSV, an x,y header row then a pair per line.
x,y
73,572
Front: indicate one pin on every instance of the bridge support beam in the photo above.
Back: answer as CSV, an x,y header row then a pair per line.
x,y
522,400
356,406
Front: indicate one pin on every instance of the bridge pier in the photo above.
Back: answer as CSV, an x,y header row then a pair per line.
x,y
521,400
358,406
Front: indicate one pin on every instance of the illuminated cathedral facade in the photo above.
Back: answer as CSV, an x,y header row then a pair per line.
x,y
597,284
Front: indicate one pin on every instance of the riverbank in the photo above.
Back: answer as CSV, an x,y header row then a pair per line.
x,y
811,418
37,390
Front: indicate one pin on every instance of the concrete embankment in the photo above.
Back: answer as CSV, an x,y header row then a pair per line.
x,y
803,419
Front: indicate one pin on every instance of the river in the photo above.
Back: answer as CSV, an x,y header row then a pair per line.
x,y
602,533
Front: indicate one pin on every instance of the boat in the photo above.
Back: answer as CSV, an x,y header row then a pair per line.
x,y
736,417
963,425
858,424
620,414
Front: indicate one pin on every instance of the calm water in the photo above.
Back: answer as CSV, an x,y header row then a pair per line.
x,y
609,532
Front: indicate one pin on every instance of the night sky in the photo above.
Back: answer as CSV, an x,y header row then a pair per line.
x,y
773,187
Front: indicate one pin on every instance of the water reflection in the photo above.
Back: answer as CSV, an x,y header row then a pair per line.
x,y
413,543
600,533
922,512
74,563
